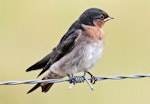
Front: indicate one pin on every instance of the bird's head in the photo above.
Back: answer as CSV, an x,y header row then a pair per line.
x,y
94,17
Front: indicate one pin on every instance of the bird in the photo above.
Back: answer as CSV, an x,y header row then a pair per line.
x,y
78,50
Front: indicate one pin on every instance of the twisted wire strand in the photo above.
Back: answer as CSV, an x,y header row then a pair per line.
x,y
79,79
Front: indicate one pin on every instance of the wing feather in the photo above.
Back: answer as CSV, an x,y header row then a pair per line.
x,y
65,46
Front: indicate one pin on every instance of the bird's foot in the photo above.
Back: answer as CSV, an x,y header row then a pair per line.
x,y
76,79
93,78
79,79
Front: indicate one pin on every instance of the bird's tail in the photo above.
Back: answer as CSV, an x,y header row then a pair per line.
x,y
44,86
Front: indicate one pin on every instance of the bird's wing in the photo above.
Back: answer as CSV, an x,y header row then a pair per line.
x,y
65,46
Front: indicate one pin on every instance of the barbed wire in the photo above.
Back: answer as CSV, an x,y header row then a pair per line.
x,y
99,78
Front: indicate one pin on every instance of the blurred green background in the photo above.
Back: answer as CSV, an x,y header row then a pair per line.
x,y
29,29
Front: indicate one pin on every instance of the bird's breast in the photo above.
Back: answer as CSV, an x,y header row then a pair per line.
x,y
94,32
85,54
89,51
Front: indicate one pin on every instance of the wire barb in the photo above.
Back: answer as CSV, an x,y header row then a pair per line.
x,y
99,78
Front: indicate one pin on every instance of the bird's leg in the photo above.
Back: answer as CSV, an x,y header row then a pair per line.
x,y
71,79
93,78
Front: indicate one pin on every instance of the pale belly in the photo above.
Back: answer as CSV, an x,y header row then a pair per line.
x,y
82,58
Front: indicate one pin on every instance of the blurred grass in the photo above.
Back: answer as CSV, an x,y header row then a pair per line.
x,y
29,29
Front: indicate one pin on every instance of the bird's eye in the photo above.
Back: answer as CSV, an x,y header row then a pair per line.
x,y
102,17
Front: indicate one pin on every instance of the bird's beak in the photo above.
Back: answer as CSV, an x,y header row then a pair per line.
x,y
108,18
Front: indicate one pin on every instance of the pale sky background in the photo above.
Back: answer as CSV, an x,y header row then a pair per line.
x,y
29,29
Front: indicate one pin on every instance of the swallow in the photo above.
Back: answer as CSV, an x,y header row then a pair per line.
x,y
78,50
